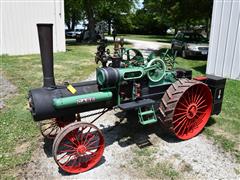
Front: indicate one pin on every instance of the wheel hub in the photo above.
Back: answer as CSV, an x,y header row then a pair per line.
x,y
81,149
192,111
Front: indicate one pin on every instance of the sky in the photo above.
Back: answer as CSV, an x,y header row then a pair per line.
x,y
140,4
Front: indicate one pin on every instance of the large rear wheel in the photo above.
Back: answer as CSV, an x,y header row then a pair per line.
x,y
78,147
185,108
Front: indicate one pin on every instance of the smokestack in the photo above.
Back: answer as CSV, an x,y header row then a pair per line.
x,y
46,49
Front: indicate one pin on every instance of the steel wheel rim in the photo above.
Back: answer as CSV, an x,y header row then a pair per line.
x,y
192,111
78,148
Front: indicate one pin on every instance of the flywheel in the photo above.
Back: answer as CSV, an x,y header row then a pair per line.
x,y
158,73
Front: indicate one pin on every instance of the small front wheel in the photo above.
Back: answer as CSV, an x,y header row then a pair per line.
x,y
78,147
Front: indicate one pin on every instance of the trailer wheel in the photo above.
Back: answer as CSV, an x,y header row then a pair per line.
x,y
78,147
51,127
185,108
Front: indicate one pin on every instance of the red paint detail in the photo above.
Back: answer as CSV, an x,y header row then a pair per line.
x,y
200,78
192,111
137,90
61,123
81,149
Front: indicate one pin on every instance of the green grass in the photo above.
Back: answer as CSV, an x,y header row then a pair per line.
x,y
156,38
145,161
16,124
198,67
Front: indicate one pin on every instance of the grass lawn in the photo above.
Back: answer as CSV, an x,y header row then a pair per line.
x,y
156,38
19,134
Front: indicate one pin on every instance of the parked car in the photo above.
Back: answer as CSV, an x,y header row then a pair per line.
x,y
100,28
190,44
170,31
72,34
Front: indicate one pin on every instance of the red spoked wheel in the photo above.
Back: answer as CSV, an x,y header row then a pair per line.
x,y
51,127
185,108
78,147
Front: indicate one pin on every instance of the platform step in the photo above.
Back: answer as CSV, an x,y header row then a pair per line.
x,y
151,118
149,121
147,112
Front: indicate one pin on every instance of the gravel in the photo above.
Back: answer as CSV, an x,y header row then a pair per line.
x,y
203,159
7,89
207,161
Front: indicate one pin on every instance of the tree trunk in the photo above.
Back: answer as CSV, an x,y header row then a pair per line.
x,y
109,27
208,26
187,25
91,20
176,30
73,22
68,25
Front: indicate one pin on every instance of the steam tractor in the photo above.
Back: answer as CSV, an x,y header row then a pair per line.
x,y
152,86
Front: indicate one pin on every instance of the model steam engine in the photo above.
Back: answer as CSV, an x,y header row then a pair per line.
x,y
151,86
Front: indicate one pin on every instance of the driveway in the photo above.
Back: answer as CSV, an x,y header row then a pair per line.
x,y
145,45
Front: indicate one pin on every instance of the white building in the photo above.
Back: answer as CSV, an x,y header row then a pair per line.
x,y
18,30
224,50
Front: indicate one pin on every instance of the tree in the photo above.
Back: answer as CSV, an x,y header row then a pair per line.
x,y
180,13
73,13
145,22
113,11
154,18
94,10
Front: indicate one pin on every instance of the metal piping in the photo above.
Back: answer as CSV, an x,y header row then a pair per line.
x,y
45,35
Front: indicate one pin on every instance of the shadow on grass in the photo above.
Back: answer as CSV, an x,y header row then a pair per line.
x,y
47,147
197,58
165,40
210,122
74,43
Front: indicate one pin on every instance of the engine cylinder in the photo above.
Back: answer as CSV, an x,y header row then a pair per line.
x,y
107,76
